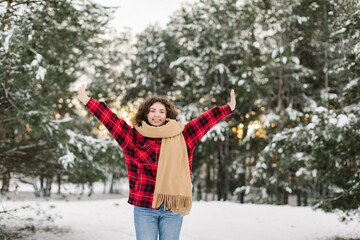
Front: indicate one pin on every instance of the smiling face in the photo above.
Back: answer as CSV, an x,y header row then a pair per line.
x,y
157,114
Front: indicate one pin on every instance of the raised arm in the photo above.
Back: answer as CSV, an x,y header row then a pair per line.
x,y
197,128
82,96
118,128
232,100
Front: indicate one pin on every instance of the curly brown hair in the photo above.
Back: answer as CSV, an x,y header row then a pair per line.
x,y
144,109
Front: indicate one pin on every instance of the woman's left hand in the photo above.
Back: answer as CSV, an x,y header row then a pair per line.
x,y
232,101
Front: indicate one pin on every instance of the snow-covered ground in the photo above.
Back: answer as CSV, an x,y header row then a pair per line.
x,y
112,219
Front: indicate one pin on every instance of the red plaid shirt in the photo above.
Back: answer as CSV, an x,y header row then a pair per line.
x,y
142,153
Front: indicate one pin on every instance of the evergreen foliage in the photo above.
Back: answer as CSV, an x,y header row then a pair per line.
x,y
45,46
294,66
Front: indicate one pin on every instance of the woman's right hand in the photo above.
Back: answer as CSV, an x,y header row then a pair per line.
x,y
82,96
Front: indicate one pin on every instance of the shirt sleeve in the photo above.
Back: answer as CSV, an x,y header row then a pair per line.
x,y
197,128
117,127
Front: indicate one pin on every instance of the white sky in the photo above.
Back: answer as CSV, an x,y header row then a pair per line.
x,y
138,14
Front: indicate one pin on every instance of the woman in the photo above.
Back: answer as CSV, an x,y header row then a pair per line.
x,y
158,152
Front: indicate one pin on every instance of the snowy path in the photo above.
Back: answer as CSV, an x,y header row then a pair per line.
x,y
113,220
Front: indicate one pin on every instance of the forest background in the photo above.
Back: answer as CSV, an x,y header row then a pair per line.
x,y
294,66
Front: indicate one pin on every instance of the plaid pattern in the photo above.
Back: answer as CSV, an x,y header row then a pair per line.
x,y
142,153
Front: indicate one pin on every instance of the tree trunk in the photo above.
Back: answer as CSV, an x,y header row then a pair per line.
x,y
208,184
47,188
214,180
220,180
226,163
111,191
242,182
82,189
36,190
278,194
198,194
305,198
58,176
91,190
279,97
285,197
41,183
241,196
5,181
326,57
298,197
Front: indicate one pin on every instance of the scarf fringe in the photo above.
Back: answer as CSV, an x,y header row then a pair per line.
x,y
177,204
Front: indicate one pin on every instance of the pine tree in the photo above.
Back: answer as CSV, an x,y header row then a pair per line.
x,y
320,148
150,72
43,44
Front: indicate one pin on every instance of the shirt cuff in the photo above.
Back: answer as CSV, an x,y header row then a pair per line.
x,y
85,104
229,111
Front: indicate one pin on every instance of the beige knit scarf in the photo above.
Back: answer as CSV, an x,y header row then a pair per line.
x,y
173,183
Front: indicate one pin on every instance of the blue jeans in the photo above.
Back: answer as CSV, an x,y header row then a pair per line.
x,y
149,223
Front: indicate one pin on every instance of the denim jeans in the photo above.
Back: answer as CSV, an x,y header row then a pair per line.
x,y
149,223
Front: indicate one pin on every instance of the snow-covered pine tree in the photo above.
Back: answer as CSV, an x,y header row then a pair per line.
x,y
335,148
284,79
42,46
150,72
217,53
324,140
